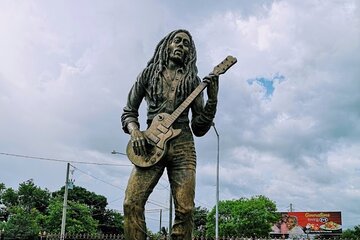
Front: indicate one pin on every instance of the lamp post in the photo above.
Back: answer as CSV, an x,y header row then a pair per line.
x,y
217,185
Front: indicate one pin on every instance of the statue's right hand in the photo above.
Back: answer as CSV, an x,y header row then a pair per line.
x,y
138,142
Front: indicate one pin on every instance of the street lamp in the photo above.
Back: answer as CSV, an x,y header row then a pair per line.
x,y
217,185
116,152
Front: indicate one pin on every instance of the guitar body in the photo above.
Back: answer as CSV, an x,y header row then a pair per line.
x,y
157,136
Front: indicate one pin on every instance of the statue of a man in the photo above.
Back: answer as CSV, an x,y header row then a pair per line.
x,y
169,77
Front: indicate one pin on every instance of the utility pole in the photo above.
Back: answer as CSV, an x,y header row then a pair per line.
x,y
170,214
63,220
160,220
291,207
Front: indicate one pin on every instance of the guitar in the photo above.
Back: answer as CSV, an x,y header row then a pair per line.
x,y
161,131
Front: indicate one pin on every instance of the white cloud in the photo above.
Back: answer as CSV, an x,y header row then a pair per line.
x,y
311,119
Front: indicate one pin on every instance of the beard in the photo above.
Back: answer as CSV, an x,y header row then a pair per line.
x,y
177,58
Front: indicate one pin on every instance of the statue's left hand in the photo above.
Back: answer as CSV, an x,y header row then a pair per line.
x,y
213,86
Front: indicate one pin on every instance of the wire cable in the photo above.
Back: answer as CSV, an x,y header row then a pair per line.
x,y
156,203
63,160
98,178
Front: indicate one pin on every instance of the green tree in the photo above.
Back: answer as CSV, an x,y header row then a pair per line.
x,y
244,217
28,196
113,222
97,203
2,190
153,236
110,222
31,196
351,233
3,211
200,220
22,224
81,195
10,198
87,211
78,218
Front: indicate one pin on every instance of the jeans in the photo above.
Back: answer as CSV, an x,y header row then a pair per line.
x,y
180,162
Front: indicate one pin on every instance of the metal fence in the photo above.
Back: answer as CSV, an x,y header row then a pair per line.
x,y
67,237
121,237
84,237
245,238
256,238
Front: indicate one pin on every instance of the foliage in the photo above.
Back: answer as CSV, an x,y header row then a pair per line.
x,y
200,220
28,196
2,225
2,189
81,195
97,204
3,211
86,211
22,224
10,197
78,218
243,217
154,236
31,196
113,222
351,233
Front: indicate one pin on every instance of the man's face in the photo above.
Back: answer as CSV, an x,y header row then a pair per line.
x,y
291,222
179,47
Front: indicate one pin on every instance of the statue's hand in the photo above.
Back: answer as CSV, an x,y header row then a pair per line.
x,y
138,142
213,86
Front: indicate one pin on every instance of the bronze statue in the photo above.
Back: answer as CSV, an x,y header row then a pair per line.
x,y
171,87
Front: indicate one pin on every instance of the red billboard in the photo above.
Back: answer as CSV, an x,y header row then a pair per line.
x,y
300,223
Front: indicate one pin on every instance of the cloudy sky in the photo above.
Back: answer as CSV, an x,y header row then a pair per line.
x,y
288,114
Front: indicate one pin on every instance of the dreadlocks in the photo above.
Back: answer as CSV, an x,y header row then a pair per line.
x,y
158,62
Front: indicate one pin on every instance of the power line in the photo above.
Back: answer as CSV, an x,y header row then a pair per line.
x,y
97,178
156,203
149,200
154,219
82,162
155,210
63,160
91,163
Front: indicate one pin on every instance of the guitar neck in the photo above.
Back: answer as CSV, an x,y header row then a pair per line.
x,y
218,69
172,118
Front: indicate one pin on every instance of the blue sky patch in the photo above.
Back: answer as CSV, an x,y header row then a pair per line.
x,y
267,83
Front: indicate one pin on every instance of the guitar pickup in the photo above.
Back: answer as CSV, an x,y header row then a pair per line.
x,y
153,138
162,129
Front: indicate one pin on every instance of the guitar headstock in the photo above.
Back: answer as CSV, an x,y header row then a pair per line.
x,y
224,65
